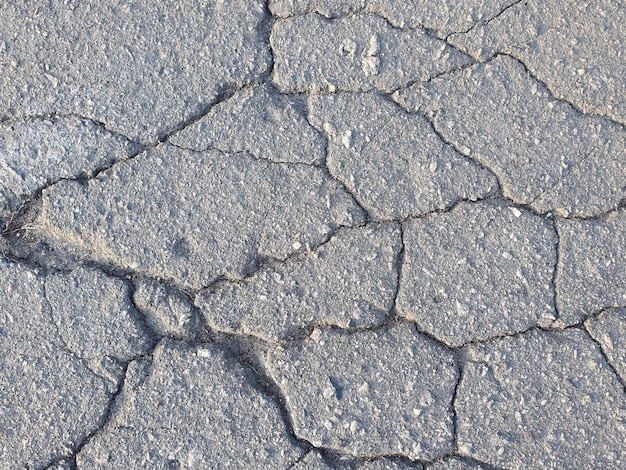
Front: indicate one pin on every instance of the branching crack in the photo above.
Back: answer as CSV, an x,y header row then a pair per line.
x,y
105,418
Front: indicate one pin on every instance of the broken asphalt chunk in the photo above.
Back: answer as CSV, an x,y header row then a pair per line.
x,y
591,275
480,270
392,161
100,321
260,121
194,217
575,48
194,407
355,53
541,400
369,393
546,154
139,67
50,399
349,282
34,153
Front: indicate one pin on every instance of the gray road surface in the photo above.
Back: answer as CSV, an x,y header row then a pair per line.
x,y
313,234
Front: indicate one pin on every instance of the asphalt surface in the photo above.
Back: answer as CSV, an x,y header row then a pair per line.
x,y
307,234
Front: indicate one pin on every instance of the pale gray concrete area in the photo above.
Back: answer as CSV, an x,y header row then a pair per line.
x,y
313,234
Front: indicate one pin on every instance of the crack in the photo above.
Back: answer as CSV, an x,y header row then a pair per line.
x,y
250,352
268,26
500,190
369,10
557,268
55,116
300,460
267,262
411,83
488,20
431,120
105,418
399,265
29,200
226,93
581,323
619,378
326,169
552,95
459,364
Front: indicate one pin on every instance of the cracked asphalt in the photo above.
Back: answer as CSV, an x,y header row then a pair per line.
x,y
313,234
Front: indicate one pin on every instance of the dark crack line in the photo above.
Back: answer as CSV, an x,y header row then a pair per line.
x,y
453,70
431,120
399,265
54,116
368,10
328,173
488,20
581,323
552,95
64,344
105,418
557,267
225,94
246,354
606,358
500,190
268,24
459,364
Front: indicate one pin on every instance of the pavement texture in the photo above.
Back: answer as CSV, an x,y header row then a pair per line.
x,y
313,234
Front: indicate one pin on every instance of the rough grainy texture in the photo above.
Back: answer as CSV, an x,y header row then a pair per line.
x,y
313,460
546,154
260,121
355,53
456,463
609,330
139,67
478,271
313,234
592,266
348,282
193,407
388,464
36,152
393,162
576,48
193,217
541,400
442,16
369,393
50,400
